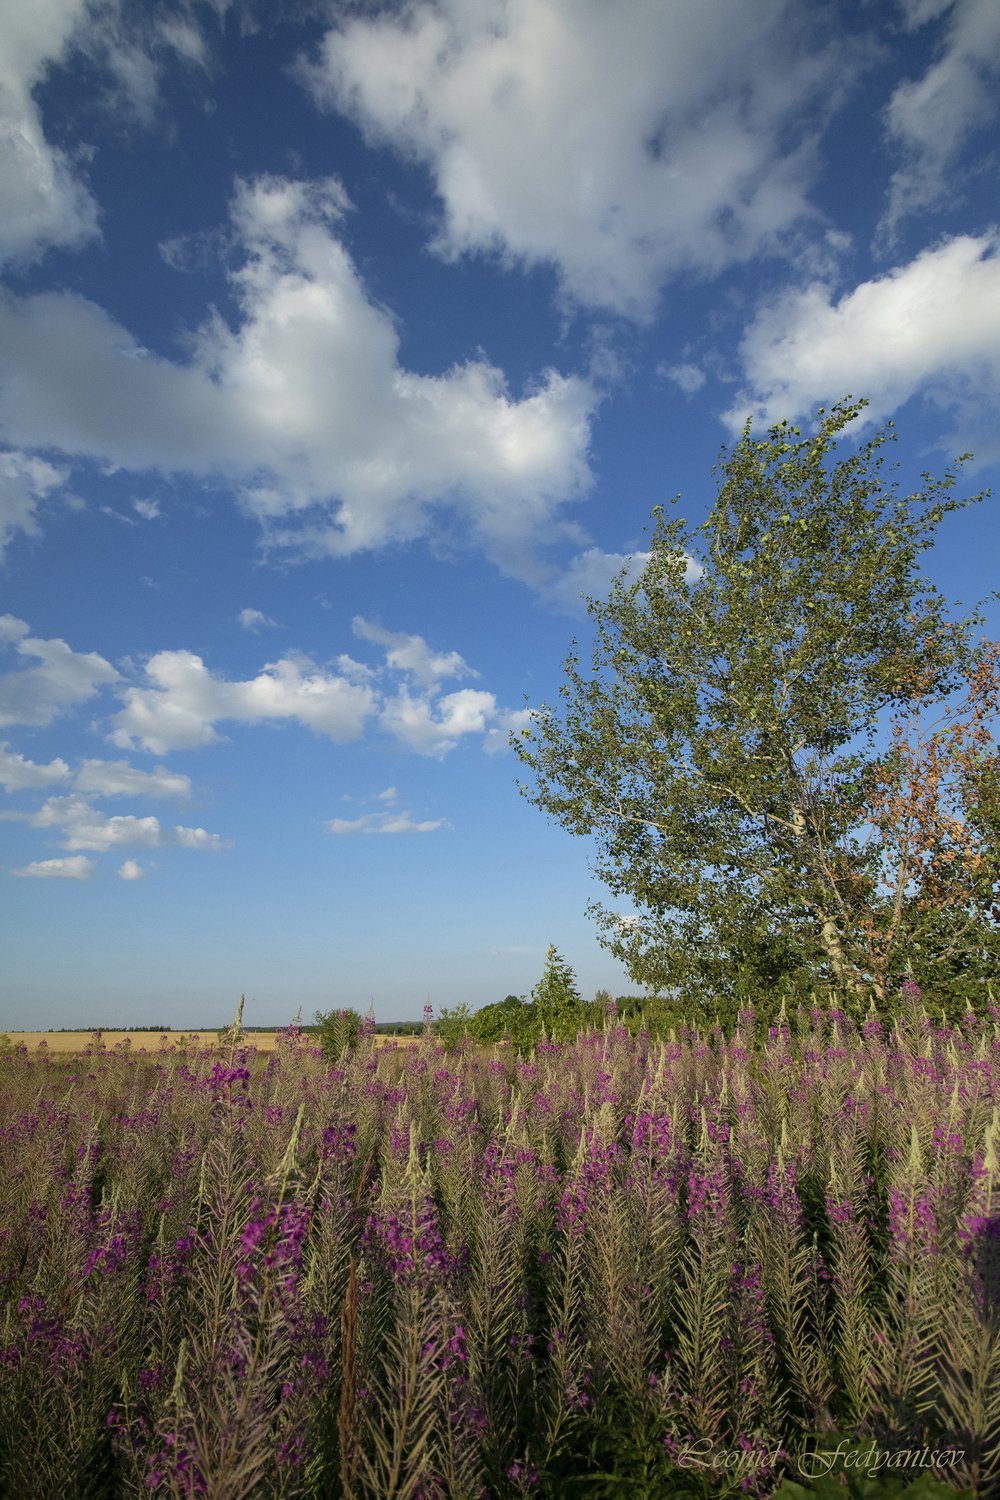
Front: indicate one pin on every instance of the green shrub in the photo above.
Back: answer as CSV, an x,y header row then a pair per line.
x,y
513,1018
337,1032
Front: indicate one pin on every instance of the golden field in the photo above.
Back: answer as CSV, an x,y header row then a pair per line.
x,y
79,1041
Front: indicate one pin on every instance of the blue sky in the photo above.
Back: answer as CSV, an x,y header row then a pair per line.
x,y
341,347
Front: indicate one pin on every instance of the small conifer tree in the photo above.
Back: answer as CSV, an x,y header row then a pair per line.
x,y
557,999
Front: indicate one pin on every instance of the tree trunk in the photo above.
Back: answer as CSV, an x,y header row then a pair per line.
x,y
829,934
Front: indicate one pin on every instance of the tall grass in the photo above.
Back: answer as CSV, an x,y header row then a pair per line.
x,y
427,1276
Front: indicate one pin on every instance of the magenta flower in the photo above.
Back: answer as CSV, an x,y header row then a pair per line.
x,y
781,1193
412,1249
707,1200
912,1225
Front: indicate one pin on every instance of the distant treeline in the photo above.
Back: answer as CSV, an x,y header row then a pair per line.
x,y
382,1028
89,1030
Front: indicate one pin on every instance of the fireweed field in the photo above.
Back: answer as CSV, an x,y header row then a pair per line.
x,y
621,1268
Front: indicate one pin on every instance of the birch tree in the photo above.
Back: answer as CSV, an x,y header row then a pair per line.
x,y
730,749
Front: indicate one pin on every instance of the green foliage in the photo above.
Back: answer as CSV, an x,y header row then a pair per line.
x,y
555,1010
622,1457
722,750
454,1025
512,1018
556,999
880,1486
336,1031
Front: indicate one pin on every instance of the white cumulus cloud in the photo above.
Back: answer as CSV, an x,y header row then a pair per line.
x,y
180,703
82,826
73,867
36,695
418,714
434,726
44,202
116,778
689,377
254,619
125,47
621,144
931,326
95,778
25,482
197,838
929,118
411,653
18,774
184,702
303,406
385,822
131,869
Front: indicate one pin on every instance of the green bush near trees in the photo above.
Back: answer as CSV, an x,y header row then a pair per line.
x,y
554,1010
337,1031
